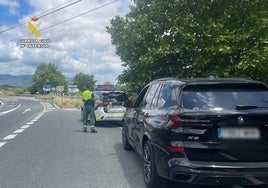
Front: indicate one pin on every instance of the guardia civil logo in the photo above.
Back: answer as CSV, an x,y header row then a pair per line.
x,y
33,27
34,39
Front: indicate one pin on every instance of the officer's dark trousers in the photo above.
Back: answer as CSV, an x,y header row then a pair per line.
x,y
89,111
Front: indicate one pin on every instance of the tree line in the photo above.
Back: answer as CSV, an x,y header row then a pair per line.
x,y
48,74
190,38
183,39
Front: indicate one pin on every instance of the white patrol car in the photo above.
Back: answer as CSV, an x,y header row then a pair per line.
x,y
109,105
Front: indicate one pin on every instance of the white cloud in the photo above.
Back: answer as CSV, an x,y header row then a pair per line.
x,y
12,5
10,52
79,45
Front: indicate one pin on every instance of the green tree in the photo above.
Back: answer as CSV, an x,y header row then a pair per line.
x,y
47,74
108,83
189,38
81,80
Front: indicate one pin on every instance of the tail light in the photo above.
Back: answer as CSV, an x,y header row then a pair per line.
x,y
176,146
176,149
175,122
103,104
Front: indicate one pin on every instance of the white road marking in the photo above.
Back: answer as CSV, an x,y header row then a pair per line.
x,y
9,137
25,126
18,131
26,110
37,117
5,112
2,143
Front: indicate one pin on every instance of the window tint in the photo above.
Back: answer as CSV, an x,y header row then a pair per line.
x,y
147,101
140,100
168,95
154,103
223,99
151,94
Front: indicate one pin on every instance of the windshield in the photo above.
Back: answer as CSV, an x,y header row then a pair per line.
x,y
219,100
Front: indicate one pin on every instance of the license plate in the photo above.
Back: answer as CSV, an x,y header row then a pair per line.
x,y
239,133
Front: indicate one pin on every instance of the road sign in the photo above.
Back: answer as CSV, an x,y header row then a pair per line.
x,y
59,88
47,88
73,89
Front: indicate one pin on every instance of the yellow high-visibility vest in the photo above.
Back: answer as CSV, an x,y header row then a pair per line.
x,y
87,95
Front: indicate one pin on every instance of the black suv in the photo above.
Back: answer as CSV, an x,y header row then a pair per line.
x,y
200,131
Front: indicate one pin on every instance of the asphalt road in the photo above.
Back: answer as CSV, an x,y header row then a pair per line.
x,y
52,151
15,112
49,150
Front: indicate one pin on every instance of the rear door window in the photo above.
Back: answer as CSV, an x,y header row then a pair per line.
x,y
140,102
168,96
147,101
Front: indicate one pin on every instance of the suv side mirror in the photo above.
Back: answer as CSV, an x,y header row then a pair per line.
x,y
128,104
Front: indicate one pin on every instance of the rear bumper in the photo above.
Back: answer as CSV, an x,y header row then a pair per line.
x,y
224,176
176,167
109,116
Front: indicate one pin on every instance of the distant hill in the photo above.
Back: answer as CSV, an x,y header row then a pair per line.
x,y
22,81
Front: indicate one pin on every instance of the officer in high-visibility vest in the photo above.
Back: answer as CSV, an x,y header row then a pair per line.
x,y
89,102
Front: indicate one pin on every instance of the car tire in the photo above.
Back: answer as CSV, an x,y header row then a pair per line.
x,y
151,177
126,144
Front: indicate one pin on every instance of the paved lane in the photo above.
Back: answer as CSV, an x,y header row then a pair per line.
x,y
16,112
54,152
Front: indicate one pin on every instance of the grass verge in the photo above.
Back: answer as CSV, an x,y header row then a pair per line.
x,y
63,102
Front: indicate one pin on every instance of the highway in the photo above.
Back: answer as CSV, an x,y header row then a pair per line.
x,y
44,147
16,112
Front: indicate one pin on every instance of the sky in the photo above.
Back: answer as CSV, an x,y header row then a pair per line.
x,y
78,41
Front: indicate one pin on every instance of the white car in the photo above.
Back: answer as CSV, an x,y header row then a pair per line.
x,y
109,106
